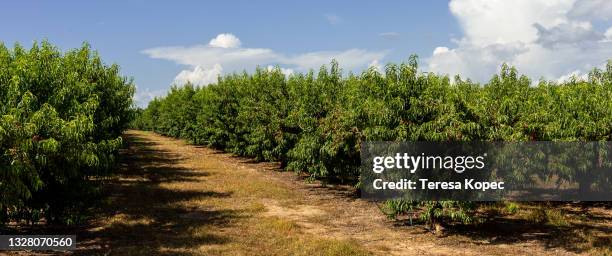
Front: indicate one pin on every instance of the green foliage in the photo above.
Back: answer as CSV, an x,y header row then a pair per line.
x,y
315,123
440,211
61,116
512,208
393,208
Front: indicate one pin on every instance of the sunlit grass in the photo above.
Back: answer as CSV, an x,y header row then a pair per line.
x,y
195,207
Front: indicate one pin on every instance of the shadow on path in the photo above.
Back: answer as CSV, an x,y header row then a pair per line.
x,y
140,216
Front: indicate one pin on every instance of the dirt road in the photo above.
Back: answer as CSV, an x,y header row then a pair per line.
x,y
171,198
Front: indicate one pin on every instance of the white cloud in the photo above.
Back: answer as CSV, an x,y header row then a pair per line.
x,y
541,38
199,76
577,33
389,35
225,41
376,64
207,56
238,58
497,21
142,97
285,71
440,50
576,74
224,53
474,62
608,34
349,59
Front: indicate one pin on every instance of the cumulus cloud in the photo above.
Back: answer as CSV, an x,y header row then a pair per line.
x,y
576,74
199,75
207,56
608,34
349,59
224,54
576,33
285,71
376,65
440,50
143,96
541,38
225,41
497,21
471,61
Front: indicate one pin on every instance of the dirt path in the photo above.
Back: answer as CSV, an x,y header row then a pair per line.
x,y
171,198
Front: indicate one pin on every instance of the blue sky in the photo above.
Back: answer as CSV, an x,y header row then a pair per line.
x,y
162,42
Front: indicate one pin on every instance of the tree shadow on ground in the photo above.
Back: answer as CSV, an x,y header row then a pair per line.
x,y
332,187
572,236
140,216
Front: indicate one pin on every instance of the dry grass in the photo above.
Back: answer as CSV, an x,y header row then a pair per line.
x,y
170,198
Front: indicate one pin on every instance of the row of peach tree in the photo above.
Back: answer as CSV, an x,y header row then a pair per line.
x,y
61,118
315,122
